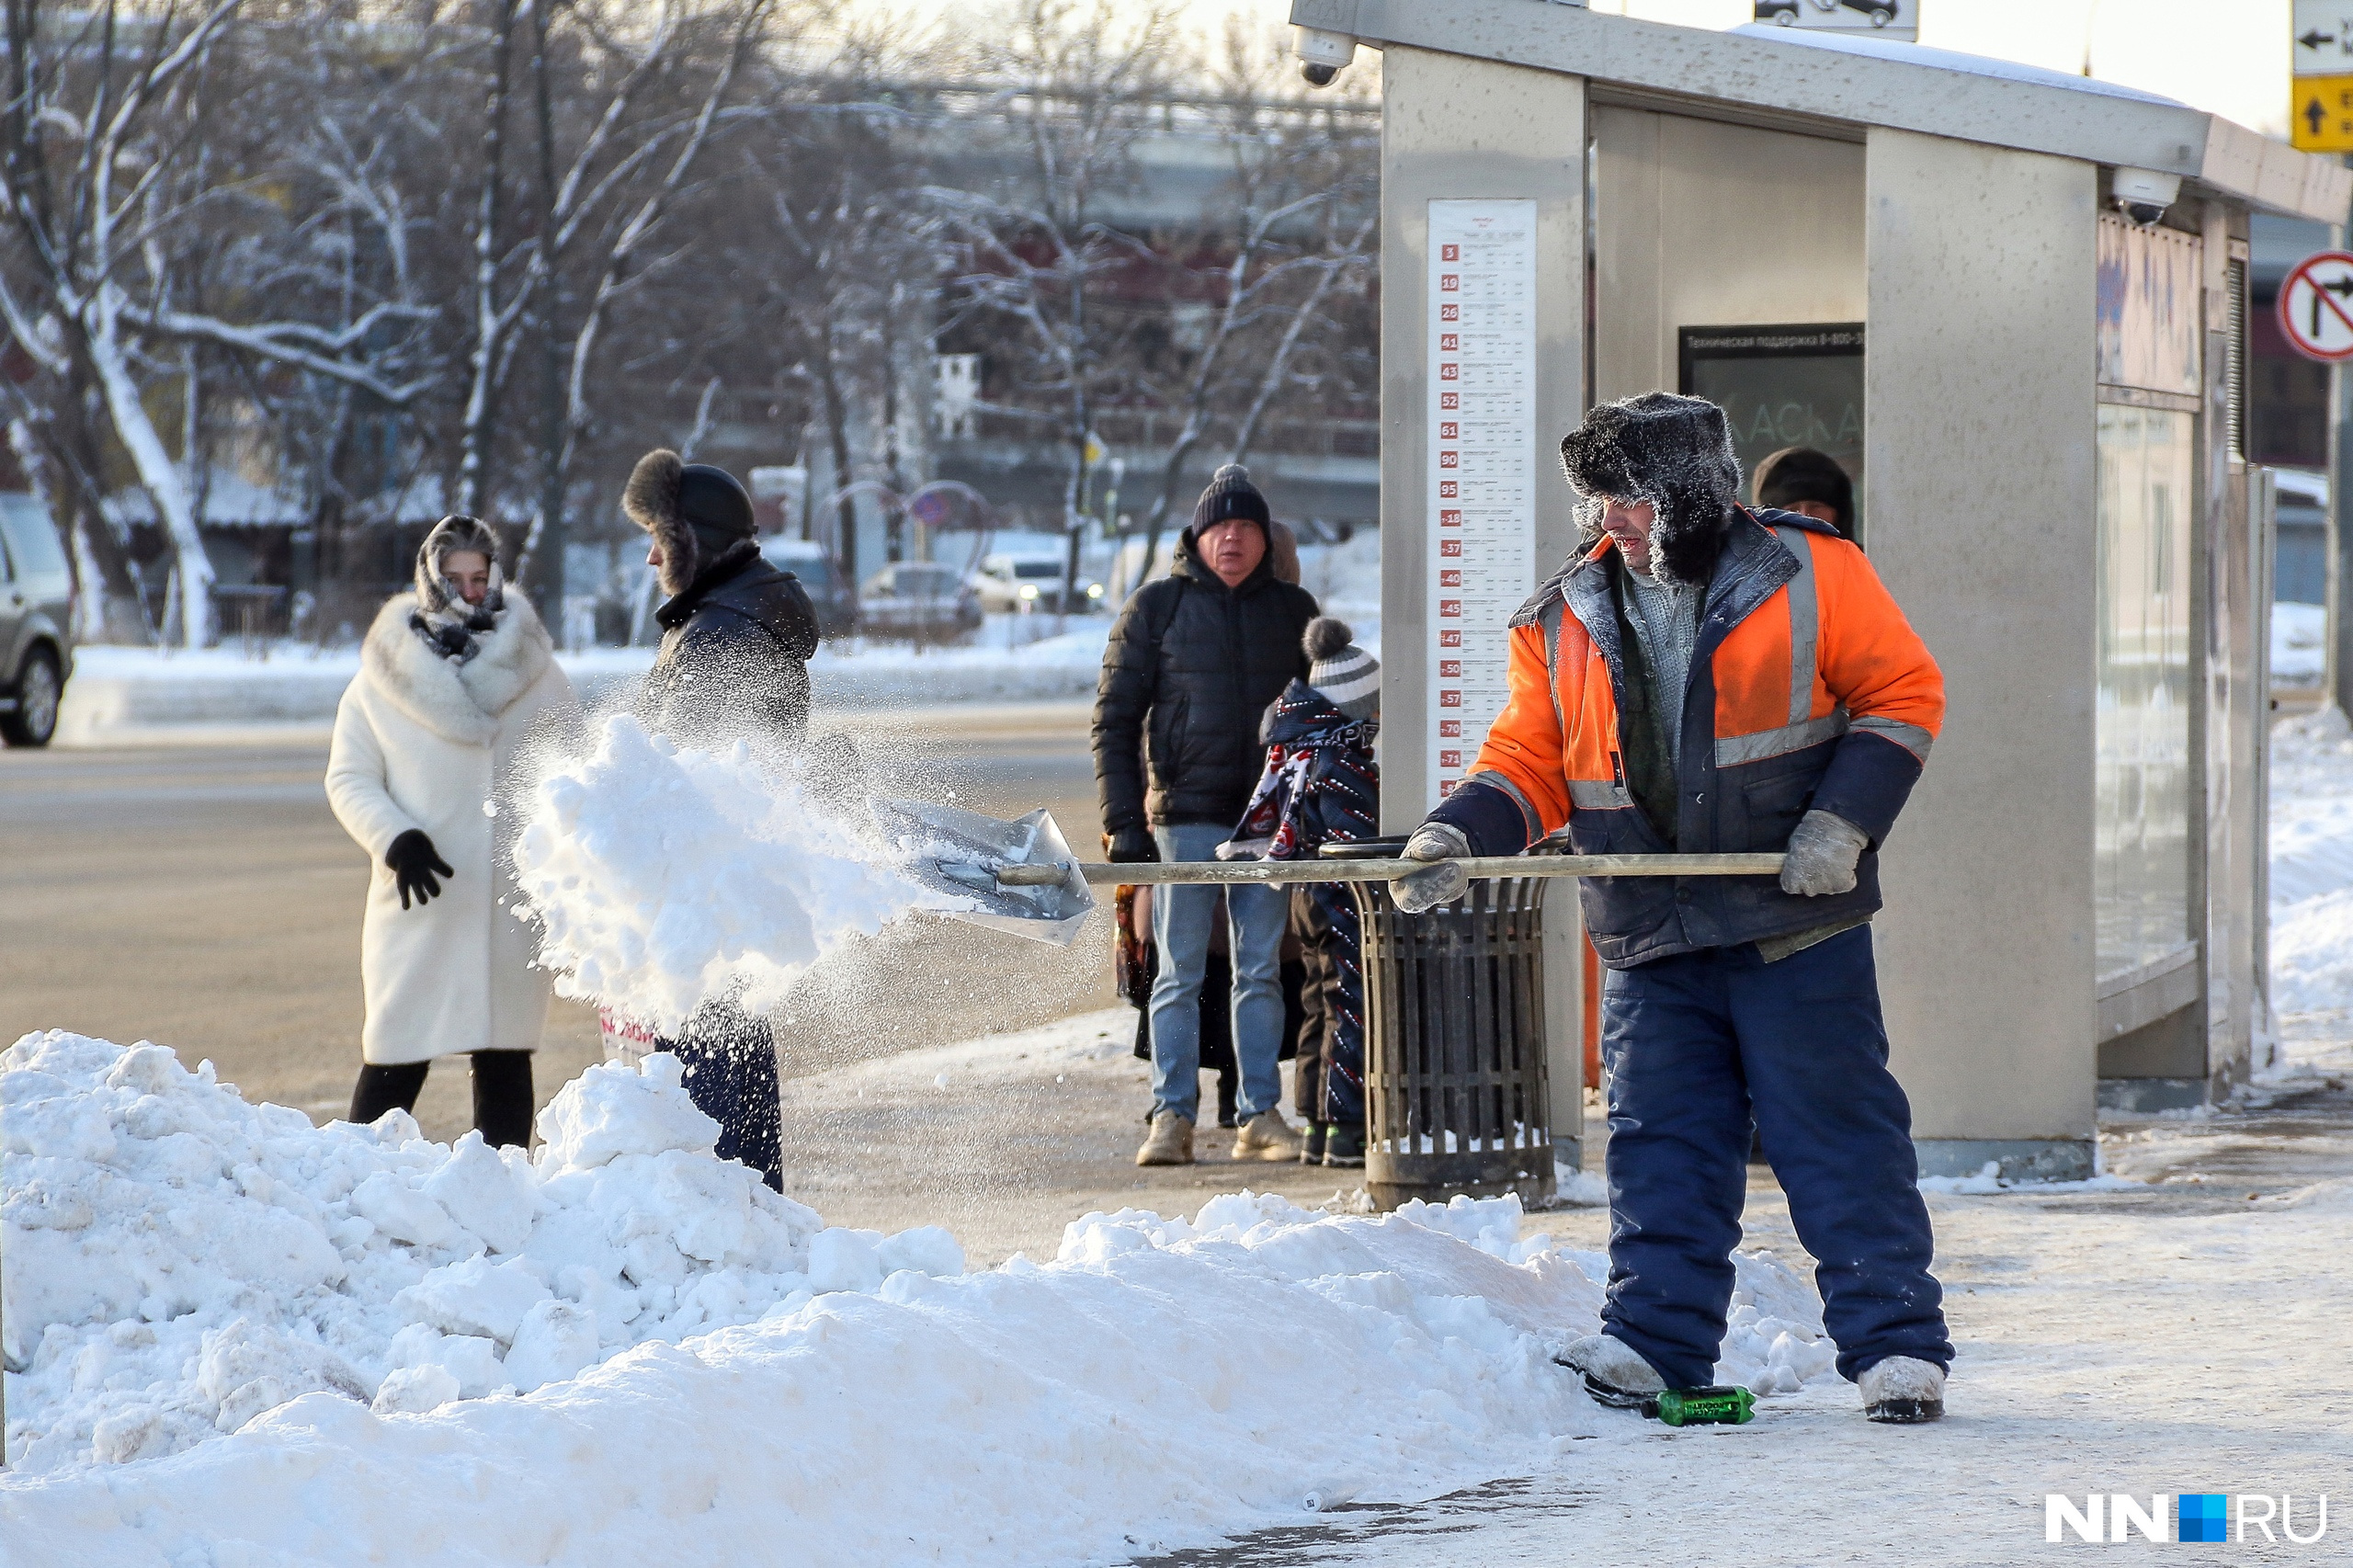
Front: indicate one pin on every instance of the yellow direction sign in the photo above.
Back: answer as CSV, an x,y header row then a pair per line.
x,y
2323,114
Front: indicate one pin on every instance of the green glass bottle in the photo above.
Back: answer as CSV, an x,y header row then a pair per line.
x,y
1701,1408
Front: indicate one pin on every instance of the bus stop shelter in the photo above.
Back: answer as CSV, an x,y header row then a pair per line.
x,y
2012,304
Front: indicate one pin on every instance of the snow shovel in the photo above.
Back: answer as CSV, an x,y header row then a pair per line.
x,y
1027,881
1018,877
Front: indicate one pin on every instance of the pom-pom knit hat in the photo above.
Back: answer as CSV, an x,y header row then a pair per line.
x,y
1347,677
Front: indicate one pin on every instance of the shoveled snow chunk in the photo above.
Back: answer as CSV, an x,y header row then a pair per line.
x,y
486,1194
475,1296
555,1340
613,1109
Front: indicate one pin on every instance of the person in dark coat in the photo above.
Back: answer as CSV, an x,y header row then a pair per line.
x,y
738,633
1192,661
736,640
1809,482
1321,786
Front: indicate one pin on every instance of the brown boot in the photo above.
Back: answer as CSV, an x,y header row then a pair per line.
x,y
1266,1136
1170,1142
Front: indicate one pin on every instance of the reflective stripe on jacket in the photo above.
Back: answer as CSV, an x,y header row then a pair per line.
x,y
1808,689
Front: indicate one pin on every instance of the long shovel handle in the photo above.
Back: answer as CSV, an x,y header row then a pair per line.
x,y
1156,874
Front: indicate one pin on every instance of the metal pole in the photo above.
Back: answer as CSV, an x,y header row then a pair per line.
x,y
1159,873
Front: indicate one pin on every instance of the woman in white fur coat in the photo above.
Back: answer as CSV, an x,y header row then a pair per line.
x,y
451,677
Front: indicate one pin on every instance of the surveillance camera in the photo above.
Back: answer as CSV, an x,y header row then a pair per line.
x,y
1322,55
2142,195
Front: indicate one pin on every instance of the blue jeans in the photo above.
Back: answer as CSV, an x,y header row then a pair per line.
x,y
1700,1047
1182,920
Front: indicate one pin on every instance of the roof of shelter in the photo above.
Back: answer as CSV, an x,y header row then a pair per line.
x,y
1859,82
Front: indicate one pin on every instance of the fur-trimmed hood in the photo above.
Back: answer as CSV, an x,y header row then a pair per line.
x,y
461,702
1675,453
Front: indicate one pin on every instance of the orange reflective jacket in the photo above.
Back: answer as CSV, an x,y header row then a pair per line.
x,y
1807,689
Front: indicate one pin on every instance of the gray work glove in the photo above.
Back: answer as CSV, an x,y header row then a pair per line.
x,y
1822,856
1442,882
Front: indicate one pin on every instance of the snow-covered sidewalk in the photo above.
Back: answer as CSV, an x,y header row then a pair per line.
x,y
119,694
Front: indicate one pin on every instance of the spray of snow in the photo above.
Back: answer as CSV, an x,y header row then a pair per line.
x,y
180,1261
663,877
627,1351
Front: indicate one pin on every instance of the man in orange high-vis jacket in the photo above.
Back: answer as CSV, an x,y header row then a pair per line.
x,y
1699,678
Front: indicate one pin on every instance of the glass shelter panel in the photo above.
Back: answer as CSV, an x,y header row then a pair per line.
x,y
2147,491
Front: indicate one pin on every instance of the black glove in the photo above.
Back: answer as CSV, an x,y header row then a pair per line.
x,y
414,860
1134,846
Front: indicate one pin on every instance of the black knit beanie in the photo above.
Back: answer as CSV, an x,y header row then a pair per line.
x,y
1230,494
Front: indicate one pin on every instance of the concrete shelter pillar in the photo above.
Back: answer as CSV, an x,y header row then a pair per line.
x,y
1982,322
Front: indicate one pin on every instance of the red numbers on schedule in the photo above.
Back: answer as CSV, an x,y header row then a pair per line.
x,y
1449,669
1449,609
1450,312
1450,729
1449,697
1448,489
1449,253
1451,578
1449,283
1449,519
1449,400
1450,639
1449,547
1446,430
1450,759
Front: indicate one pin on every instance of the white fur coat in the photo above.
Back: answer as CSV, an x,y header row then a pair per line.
x,y
421,742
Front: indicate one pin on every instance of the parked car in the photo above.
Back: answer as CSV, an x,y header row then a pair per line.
x,y
1018,583
36,623
832,596
924,600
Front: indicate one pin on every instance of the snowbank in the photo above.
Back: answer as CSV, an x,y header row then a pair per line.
x,y
179,1261
662,876
119,690
2312,865
712,1375
2299,643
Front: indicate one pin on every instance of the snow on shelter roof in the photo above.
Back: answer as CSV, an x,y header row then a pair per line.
x,y
1859,82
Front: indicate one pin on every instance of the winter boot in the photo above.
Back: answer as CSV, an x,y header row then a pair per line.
x,y
1614,1374
1901,1390
1344,1146
1228,1087
1266,1136
1311,1147
1170,1142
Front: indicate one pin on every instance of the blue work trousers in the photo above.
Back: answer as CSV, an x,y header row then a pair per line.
x,y
1701,1048
1182,920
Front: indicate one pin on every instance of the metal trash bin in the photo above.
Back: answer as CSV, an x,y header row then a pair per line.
x,y
1456,1093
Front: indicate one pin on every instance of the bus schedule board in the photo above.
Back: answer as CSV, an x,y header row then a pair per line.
x,y
1786,385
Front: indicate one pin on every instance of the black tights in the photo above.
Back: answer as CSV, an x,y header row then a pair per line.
x,y
502,1080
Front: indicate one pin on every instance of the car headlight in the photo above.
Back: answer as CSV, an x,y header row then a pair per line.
x,y
1093,590
1028,590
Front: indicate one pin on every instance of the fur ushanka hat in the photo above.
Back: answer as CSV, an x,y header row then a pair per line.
x,y
1676,453
693,510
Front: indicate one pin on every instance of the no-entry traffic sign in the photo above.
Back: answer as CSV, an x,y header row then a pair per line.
x,y
2316,306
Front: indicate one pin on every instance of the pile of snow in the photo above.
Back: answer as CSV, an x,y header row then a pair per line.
x,y
179,1261
661,876
2312,865
716,1376
2299,643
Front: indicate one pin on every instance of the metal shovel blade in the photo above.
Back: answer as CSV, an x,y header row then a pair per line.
x,y
958,854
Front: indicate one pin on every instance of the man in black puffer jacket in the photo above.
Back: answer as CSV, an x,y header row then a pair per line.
x,y
736,638
1194,661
